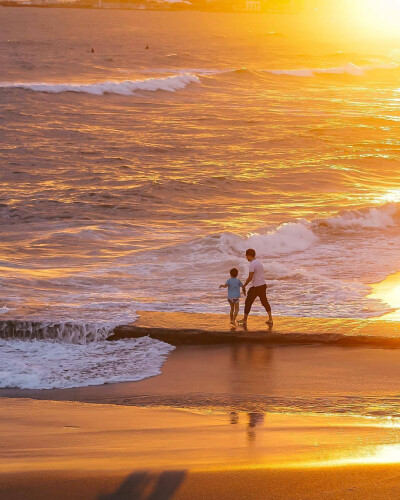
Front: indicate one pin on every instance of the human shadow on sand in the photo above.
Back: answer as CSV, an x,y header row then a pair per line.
x,y
146,485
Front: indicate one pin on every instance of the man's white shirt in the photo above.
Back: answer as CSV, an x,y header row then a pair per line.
x,y
257,268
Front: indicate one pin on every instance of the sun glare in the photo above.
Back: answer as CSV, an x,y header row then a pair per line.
x,y
388,291
383,454
380,17
391,196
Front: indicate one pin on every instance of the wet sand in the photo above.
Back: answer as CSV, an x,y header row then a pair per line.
x,y
75,450
248,376
199,329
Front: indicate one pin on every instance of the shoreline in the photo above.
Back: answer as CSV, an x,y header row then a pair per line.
x,y
255,377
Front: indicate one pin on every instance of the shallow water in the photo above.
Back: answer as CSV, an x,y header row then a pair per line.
x,y
135,179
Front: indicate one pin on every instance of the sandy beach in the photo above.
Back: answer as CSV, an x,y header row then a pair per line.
x,y
76,450
242,420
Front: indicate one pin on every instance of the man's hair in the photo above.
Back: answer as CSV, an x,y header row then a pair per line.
x,y
234,272
251,252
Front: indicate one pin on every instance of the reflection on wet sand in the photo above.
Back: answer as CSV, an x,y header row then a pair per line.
x,y
250,367
254,419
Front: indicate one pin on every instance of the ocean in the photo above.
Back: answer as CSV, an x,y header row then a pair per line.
x,y
143,152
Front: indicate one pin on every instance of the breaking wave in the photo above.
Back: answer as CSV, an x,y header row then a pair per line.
x,y
298,236
63,331
183,78
127,87
287,238
372,218
46,355
346,69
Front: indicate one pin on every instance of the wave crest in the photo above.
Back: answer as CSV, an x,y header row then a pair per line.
x,y
127,87
372,218
346,69
63,331
287,238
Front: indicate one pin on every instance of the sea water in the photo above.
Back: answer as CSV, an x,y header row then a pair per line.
x,y
134,178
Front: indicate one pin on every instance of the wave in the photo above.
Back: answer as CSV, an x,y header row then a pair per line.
x,y
183,78
299,236
48,365
63,331
5,309
127,87
346,69
287,238
47,355
349,68
372,218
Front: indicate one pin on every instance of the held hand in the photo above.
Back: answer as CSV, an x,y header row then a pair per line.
x,y
244,291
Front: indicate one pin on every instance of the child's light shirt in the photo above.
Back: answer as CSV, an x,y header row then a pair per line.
x,y
234,285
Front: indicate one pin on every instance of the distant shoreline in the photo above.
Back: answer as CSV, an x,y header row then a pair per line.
x,y
168,8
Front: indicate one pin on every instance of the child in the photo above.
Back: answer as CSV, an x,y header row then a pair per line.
x,y
233,284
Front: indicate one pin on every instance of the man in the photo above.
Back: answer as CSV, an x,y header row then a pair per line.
x,y
258,287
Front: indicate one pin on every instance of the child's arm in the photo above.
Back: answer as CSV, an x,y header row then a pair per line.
x,y
223,286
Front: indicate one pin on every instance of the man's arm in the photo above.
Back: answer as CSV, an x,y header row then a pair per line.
x,y
250,277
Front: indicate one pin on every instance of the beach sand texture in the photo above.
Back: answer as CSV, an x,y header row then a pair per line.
x,y
74,450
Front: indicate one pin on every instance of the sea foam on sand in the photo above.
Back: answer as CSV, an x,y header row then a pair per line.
x,y
38,364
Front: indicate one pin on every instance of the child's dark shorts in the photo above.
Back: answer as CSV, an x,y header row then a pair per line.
x,y
234,301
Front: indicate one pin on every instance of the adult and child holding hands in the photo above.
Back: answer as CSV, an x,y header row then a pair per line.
x,y
258,288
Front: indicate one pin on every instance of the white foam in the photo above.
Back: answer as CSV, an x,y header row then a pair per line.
x,y
287,238
291,72
48,365
378,218
128,87
63,331
346,69
5,309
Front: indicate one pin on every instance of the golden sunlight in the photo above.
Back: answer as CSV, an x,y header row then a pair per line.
x,y
388,291
381,17
391,196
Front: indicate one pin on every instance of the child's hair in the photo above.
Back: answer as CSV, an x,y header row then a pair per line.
x,y
234,272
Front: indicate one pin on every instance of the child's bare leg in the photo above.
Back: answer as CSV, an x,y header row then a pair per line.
x,y
232,313
235,311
